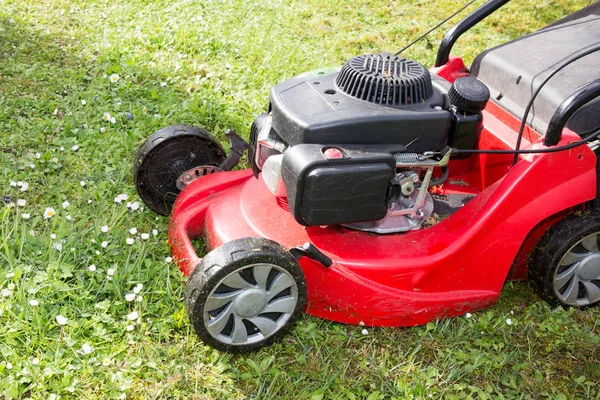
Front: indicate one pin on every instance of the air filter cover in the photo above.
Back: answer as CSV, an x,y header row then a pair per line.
x,y
385,79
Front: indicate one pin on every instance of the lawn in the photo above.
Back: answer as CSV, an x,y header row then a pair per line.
x,y
90,302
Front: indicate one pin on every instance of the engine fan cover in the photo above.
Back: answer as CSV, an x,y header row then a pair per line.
x,y
385,79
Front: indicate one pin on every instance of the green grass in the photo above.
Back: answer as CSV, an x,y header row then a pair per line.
x,y
212,63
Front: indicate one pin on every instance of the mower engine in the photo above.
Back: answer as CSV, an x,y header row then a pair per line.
x,y
361,146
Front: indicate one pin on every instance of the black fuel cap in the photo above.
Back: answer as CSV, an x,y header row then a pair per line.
x,y
469,94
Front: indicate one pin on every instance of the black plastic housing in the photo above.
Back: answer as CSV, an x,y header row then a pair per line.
x,y
311,109
337,191
465,132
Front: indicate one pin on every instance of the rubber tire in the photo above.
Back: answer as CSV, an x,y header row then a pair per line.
x,y
226,259
551,248
167,150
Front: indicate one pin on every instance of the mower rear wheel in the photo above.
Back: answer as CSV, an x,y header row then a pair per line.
x,y
565,265
165,156
245,295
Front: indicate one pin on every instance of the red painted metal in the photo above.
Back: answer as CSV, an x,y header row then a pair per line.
x,y
455,266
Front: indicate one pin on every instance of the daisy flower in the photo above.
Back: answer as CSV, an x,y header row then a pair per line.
x,y
106,117
132,316
86,349
61,320
75,147
82,183
134,206
92,268
168,259
138,288
114,78
508,321
83,102
106,362
24,187
110,272
129,328
129,241
69,218
145,236
21,202
34,303
133,231
104,244
49,213
154,232
65,204
104,229
130,297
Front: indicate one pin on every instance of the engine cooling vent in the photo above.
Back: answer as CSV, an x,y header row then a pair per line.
x,y
385,79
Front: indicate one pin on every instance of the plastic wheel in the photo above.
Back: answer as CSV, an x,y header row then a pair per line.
x,y
245,295
565,265
165,156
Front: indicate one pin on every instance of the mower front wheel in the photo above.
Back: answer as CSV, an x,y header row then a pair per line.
x,y
245,295
565,265
165,156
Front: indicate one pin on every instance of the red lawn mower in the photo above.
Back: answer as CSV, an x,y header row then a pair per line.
x,y
387,194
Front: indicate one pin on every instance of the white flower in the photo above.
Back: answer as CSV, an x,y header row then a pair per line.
x,y
31,166
92,268
24,187
61,320
106,117
129,328
52,236
49,212
21,202
163,84
13,184
75,147
6,292
58,246
19,184
62,148
104,228
31,231
69,218
133,231
113,120
55,112
134,206
83,102
38,155
468,315
364,332
130,296
90,201
168,259
106,362
145,236
34,303
104,244
110,272
82,183
114,78
97,252
508,321
512,312
86,349
9,365
139,299
10,275
35,361
132,316
65,204
129,241
11,286
102,129
54,160
25,216
138,288
154,232
121,197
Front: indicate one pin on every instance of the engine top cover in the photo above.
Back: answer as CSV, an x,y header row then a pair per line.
x,y
385,79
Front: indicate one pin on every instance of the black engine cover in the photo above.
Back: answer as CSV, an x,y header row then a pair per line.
x,y
322,191
312,109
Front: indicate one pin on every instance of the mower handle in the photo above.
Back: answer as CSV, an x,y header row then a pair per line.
x,y
464,25
567,108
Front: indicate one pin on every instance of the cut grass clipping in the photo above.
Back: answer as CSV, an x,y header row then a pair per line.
x,y
90,302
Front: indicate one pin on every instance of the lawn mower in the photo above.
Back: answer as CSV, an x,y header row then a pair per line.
x,y
383,193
